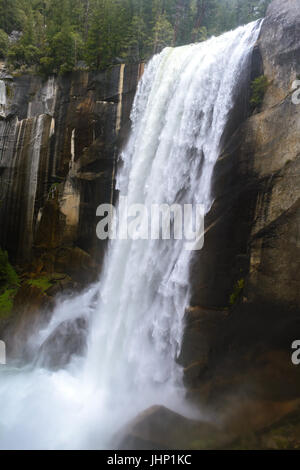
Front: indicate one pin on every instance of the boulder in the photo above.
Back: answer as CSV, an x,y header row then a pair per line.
x,y
68,339
31,309
159,428
77,263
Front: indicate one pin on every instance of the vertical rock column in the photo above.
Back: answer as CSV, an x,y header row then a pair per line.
x,y
24,179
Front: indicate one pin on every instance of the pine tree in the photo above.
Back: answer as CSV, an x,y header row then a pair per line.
x,y
11,15
163,34
56,34
4,43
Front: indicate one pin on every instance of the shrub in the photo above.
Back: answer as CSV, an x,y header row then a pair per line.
x,y
3,43
259,87
6,302
238,289
46,65
8,276
31,55
16,54
9,283
42,283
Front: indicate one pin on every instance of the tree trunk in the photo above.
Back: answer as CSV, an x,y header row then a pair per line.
x,y
200,16
179,15
86,19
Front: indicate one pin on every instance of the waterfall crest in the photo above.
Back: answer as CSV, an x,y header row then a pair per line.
x,y
136,311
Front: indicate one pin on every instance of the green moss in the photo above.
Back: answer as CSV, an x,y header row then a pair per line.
x,y
248,442
203,444
281,436
8,276
54,190
42,283
238,289
9,284
6,303
259,87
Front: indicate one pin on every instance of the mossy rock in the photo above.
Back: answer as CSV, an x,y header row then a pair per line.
x,y
9,284
6,303
237,292
42,283
8,275
283,435
259,87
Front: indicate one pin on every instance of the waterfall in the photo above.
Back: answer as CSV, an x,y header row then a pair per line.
x,y
2,98
44,101
49,95
33,173
135,312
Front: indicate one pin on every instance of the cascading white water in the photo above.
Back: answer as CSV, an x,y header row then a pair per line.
x,y
2,98
136,311
35,152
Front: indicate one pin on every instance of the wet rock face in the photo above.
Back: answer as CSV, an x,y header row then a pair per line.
x,y
249,425
31,309
59,141
253,239
160,428
69,339
253,224
280,48
273,135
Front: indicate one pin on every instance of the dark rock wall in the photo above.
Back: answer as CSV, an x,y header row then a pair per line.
x,y
251,254
59,142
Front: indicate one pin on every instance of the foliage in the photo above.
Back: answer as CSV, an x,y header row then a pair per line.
x,y
42,283
6,303
137,44
12,15
238,289
8,276
163,34
9,283
4,43
57,35
259,87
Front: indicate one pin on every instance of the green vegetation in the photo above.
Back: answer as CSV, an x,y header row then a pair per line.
x,y
58,36
238,289
4,43
9,283
8,276
6,303
42,283
278,436
259,87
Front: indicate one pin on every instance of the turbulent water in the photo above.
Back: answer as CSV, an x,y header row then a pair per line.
x,y
136,311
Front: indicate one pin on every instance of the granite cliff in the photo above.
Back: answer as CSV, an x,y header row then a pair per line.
x,y
58,148
245,312
59,140
59,143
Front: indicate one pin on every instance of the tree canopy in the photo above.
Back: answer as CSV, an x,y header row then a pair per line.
x,y
58,36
